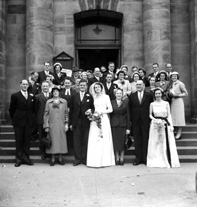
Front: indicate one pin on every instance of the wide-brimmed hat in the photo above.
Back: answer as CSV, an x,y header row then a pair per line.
x,y
57,64
174,73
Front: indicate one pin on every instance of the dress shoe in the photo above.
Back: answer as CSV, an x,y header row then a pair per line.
x,y
43,157
178,138
28,162
76,163
84,162
117,162
52,163
61,162
18,164
121,162
136,163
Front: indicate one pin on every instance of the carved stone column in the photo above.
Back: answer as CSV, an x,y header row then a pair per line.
x,y
39,34
157,38
193,52
2,62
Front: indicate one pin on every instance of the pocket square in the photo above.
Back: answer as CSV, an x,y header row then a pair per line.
x,y
88,100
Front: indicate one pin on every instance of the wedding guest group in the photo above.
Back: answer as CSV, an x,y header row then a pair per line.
x,y
93,112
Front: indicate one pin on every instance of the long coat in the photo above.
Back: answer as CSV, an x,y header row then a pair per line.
x,y
55,119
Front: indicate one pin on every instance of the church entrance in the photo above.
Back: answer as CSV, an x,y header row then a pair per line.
x,y
91,58
97,38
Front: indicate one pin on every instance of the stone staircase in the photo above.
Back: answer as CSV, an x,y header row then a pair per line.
x,y
187,147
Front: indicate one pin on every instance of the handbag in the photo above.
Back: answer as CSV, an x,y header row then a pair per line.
x,y
128,142
46,141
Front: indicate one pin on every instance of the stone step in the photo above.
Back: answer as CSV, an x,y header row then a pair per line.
x,y
10,135
190,128
69,159
182,150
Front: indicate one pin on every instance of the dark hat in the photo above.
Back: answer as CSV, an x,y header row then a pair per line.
x,y
75,70
55,88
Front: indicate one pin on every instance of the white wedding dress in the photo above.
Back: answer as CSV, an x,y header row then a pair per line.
x,y
157,147
100,151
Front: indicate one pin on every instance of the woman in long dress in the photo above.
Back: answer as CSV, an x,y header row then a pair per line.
x,y
56,124
177,92
100,146
162,150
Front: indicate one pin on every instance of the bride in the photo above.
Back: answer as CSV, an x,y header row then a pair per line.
x,y
162,150
100,146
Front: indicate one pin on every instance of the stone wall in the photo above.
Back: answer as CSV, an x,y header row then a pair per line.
x,y
2,60
193,57
16,40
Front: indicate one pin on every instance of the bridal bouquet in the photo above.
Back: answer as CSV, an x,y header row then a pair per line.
x,y
159,125
97,118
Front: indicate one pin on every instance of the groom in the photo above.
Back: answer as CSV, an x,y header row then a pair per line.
x,y
79,123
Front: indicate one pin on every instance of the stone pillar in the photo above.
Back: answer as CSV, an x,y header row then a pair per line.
x,y
132,48
157,39
193,53
39,34
180,47
2,62
15,48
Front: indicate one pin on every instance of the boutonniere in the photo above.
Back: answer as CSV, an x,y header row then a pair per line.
x,y
31,94
88,100
87,94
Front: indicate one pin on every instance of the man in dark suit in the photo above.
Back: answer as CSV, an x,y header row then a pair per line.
x,y
139,103
46,72
109,86
155,72
80,103
22,108
41,100
34,86
97,77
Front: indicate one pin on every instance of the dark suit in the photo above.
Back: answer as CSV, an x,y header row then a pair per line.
x,y
67,97
23,119
34,89
39,111
94,80
42,76
80,124
59,80
110,91
139,114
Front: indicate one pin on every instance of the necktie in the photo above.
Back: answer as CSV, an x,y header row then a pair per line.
x,y
26,96
82,94
108,85
140,97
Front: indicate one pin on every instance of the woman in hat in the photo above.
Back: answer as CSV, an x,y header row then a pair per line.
x,y
162,150
163,83
56,124
177,92
58,75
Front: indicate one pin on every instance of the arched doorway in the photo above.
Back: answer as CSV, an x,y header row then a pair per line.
x,y
97,38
